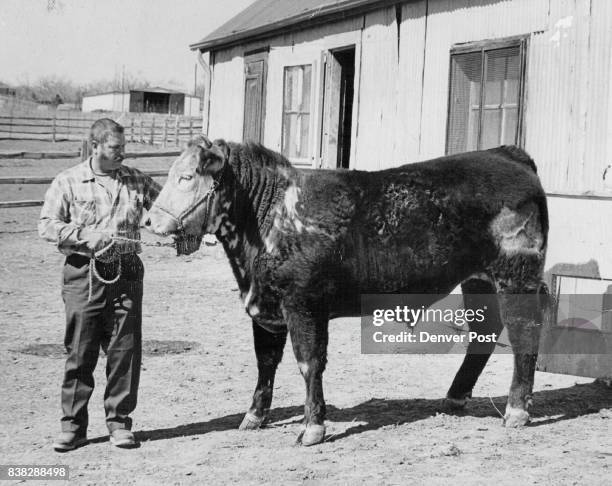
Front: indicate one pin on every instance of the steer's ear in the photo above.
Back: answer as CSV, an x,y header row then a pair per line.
x,y
214,157
200,141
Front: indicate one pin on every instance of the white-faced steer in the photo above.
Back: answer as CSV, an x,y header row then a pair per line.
x,y
304,245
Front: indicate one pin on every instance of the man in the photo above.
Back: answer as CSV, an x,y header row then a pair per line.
x,y
92,213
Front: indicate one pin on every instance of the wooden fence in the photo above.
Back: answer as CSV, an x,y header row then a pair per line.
x,y
82,154
58,126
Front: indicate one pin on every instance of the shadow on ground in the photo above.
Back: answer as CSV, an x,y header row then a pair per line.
x,y
549,406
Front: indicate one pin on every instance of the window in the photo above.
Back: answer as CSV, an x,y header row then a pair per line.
x,y
296,112
485,102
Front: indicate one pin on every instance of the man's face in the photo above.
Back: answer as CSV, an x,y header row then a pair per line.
x,y
109,154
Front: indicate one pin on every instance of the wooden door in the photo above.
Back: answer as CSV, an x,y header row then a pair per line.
x,y
136,101
338,77
332,74
255,72
177,104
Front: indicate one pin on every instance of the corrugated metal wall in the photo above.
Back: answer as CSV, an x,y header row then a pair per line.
x,y
451,22
580,232
376,136
401,95
401,81
599,92
192,106
568,106
227,94
410,81
107,101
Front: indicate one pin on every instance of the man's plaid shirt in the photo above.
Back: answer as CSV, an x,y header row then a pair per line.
x,y
76,199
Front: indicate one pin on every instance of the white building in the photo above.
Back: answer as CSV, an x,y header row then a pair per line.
x,y
146,100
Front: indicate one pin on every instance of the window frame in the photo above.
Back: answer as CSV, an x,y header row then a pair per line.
x,y
307,159
522,42
555,291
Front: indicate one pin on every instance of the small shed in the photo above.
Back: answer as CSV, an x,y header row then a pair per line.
x,y
109,101
161,100
6,90
370,84
144,100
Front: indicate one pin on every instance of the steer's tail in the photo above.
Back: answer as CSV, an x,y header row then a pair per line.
x,y
517,154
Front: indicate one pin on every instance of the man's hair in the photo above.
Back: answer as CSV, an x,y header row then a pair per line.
x,y
102,129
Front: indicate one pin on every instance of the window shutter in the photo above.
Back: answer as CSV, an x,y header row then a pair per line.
x,y
255,67
296,112
464,109
501,97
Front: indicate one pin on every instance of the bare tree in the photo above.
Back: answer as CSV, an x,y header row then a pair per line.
x,y
52,89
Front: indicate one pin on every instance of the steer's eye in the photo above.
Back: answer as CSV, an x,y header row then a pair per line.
x,y
185,177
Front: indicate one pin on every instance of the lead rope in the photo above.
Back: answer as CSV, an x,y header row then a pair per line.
x,y
94,271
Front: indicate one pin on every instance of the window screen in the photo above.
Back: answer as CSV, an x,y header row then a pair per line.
x,y
485,98
296,112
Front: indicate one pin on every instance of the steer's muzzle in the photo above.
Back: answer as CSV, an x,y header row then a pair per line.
x,y
164,224
186,244
161,223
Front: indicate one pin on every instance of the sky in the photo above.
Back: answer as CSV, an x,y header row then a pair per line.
x,y
91,40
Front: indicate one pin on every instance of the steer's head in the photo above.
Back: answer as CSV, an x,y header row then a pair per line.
x,y
188,205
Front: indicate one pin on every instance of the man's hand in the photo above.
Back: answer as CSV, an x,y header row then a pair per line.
x,y
93,239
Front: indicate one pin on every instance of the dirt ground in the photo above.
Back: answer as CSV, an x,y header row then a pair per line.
x,y
386,420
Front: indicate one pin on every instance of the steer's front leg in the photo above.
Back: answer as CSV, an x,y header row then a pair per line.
x,y
309,339
269,351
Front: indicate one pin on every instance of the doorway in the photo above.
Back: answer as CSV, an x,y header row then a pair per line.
x,y
337,112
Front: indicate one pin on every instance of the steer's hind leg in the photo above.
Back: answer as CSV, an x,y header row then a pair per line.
x,y
269,351
309,339
523,301
479,295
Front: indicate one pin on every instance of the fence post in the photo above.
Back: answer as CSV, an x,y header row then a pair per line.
x,y
176,130
69,125
165,131
152,130
132,130
141,132
54,125
190,128
84,149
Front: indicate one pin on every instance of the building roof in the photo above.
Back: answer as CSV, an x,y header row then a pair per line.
x,y
155,89
87,95
265,18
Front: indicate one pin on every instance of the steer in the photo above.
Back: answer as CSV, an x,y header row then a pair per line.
x,y
305,244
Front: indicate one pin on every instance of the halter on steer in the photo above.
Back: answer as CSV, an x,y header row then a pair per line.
x,y
204,199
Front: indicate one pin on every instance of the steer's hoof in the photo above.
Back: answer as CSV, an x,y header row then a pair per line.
x,y
515,417
251,422
312,434
455,403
